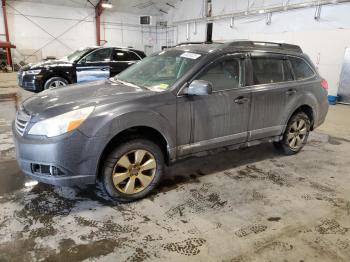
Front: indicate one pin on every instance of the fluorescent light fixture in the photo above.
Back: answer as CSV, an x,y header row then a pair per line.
x,y
106,5
31,183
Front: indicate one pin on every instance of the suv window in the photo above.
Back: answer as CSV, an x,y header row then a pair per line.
x,y
301,69
133,56
267,70
222,75
120,55
101,55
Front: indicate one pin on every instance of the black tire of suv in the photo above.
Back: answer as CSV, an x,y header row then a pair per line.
x,y
53,79
113,157
283,145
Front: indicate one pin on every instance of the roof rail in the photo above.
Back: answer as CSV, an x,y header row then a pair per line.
x,y
267,45
197,43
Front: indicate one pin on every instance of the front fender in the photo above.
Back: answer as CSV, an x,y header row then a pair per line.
x,y
111,124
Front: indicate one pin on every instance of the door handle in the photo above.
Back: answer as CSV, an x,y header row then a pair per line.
x,y
105,68
241,100
291,92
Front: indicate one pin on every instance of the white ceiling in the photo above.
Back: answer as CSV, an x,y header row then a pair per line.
x,y
146,7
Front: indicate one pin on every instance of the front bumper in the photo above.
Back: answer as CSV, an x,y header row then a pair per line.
x,y
68,160
32,83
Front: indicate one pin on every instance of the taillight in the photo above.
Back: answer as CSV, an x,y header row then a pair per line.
x,y
324,84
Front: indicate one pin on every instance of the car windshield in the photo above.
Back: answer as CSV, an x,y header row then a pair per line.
x,y
76,54
160,71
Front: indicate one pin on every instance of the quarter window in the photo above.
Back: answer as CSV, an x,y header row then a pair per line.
x,y
268,70
222,75
101,55
301,69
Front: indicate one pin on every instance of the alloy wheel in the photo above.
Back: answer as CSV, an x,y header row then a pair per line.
x,y
297,134
57,83
134,171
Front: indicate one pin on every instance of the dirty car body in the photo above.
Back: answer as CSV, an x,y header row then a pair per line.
x,y
238,111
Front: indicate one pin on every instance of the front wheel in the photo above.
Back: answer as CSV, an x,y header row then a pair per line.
x,y
132,170
55,82
295,135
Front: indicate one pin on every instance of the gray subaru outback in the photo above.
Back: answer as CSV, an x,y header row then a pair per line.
x,y
177,103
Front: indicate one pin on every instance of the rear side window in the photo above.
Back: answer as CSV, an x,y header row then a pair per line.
x,y
120,55
301,69
267,70
222,75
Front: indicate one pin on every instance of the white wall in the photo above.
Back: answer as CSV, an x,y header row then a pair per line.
x,y
324,40
60,21
75,28
2,28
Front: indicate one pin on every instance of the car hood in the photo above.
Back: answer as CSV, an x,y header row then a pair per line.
x,y
64,99
45,64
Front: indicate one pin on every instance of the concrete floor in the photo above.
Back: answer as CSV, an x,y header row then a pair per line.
x,y
246,205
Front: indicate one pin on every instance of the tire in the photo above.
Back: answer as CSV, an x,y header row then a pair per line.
x,y
54,82
295,135
123,161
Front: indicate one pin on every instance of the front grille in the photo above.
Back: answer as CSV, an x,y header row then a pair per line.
x,y
22,120
20,78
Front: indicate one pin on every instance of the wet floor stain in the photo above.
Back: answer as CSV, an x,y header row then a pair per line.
x,y
337,140
218,199
274,219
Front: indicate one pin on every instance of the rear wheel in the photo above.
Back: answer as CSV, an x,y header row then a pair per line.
x,y
295,135
55,82
132,170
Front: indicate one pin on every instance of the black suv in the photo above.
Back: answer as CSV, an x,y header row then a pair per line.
x,y
87,64
177,103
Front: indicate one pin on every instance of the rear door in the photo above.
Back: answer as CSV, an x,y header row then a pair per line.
x,y
94,66
271,82
221,118
122,59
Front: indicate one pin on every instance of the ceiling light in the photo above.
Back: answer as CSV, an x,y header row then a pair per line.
x,y
106,5
31,183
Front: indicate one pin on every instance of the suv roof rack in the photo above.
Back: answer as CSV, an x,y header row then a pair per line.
x,y
267,45
198,43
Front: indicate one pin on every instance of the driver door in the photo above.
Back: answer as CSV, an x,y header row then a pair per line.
x,y
94,66
221,118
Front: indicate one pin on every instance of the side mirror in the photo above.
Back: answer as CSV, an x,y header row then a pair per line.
x,y
82,61
199,88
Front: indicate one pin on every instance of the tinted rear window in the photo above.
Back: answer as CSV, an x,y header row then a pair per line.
x,y
301,69
268,70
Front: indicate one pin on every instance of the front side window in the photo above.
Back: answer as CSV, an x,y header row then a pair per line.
x,y
77,54
267,70
160,71
100,55
222,75
301,69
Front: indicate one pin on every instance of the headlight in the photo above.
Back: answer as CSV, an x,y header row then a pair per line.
x,y
32,72
61,124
